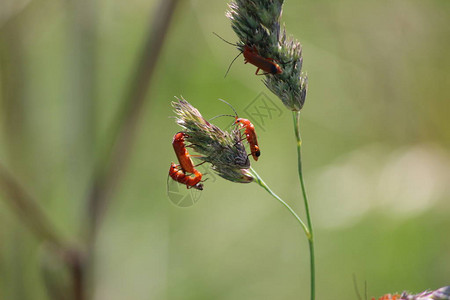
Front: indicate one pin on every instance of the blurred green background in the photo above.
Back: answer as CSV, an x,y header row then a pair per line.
x,y
376,136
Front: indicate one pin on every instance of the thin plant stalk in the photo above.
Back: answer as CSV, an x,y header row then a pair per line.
x,y
257,179
31,214
296,117
28,210
111,164
112,161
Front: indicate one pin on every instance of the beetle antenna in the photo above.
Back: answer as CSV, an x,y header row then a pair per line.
x,y
355,285
236,45
229,67
221,116
365,288
230,106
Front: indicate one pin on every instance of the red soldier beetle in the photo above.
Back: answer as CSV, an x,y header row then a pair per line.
x,y
249,131
181,152
266,64
177,174
252,56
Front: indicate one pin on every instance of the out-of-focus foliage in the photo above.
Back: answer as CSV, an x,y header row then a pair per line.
x,y
376,140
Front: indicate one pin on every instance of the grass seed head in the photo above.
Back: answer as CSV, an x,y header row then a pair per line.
x,y
222,149
257,23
